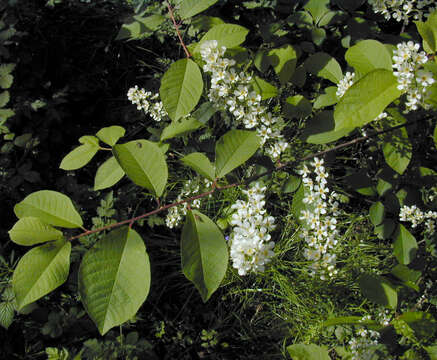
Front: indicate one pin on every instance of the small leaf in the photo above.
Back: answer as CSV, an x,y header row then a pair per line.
x,y
263,88
297,107
201,164
6,81
114,278
368,55
181,88
405,245
144,163
189,8
51,207
228,35
140,27
29,231
317,8
385,230
111,134
4,98
324,66
366,99
283,60
6,314
180,127
40,271
108,174
308,352
328,98
78,157
377,213
291,185
233,149
204,112
204,253
320,129
379,290
428,32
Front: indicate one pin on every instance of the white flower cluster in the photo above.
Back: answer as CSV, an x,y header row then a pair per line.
x,y
231,91
320,223
345,83
190,188
415,81
359,345
416,216
403,10
250,245
148,102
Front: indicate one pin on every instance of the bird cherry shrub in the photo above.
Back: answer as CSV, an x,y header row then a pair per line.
x,y
378,94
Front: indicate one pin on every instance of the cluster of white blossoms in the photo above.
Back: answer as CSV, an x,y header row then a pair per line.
x,y
319,218
148,102
416,217
364,339
250,245
403,10
407,64
231,91
190,188
345,83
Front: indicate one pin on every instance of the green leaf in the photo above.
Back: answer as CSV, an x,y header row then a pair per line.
x,y
181,88
431,351
328,98
114,278
78,157
228,35
423,324
307,352
317,8
6,314
385,230
283,60
348,320
6,81
204,112
263,88
180,127
428,32
366,99
324,66
318,35
292,184
233,149
201,164
297,107
51,207
144,163
4,98
379,290
368,55
320,129
189,8
111,134
397,148
405,245
108,174
377,213
31,230
40,271
140,27
204,253
6,69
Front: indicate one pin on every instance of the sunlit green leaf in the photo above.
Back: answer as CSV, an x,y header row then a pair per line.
x,y
31,230
325,66
283,60
181,88
180,127
405,245
51,207
308,352
228,35
114,278
201,164
108,174
204,253
379,290
189,8
40,271
111,134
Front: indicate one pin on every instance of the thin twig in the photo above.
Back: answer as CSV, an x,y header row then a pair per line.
x,y
216,188
176,26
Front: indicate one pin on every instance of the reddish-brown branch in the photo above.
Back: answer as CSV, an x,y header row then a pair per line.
x,y
216,188
176,26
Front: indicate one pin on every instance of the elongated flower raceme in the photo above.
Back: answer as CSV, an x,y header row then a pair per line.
x,y
250,243
319,220
231,92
